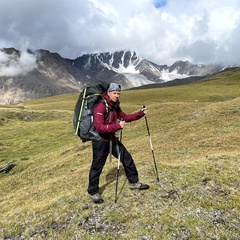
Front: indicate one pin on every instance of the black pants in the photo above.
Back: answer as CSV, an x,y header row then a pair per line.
x,y
100,153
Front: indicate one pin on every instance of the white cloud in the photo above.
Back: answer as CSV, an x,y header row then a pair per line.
x,y
13,65
159,30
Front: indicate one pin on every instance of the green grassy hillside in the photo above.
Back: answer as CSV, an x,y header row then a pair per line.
x,y
195,132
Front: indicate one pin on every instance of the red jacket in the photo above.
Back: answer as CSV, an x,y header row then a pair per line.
x,y
107,126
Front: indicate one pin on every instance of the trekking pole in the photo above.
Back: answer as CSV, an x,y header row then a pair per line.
x,y
118,166
110,150
150,140
120,137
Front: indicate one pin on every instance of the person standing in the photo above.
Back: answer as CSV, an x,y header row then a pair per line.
x,y
107,127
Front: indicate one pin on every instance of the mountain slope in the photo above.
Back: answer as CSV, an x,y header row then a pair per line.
x,y
50,76
131,70
31,75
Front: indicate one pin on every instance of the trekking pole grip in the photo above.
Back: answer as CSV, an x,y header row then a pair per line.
x,y
146,122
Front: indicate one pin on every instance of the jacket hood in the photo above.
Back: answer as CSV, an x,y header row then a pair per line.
x,y
110,102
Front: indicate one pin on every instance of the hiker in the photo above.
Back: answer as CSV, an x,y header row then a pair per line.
x,y
107,126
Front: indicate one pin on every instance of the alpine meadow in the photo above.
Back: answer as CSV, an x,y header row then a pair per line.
x,y
195,131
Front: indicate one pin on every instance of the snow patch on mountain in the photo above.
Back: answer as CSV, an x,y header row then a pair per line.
x,y
133,61
169,76
121,69
130,69
137,79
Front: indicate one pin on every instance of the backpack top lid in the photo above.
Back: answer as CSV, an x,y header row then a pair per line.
x,y
99,88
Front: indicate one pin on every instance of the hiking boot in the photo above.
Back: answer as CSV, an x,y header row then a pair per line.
x,y
96,198
138,185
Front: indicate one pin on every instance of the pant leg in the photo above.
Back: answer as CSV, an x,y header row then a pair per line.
x,y
127,161
100,151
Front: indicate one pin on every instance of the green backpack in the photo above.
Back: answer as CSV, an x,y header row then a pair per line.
x,y
83,111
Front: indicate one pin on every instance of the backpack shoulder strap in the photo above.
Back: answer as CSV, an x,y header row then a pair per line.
x,y
107,107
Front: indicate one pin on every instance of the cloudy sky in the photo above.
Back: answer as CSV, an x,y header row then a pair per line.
x,y
162,31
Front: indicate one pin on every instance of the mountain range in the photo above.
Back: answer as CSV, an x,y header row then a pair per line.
x,y
31,74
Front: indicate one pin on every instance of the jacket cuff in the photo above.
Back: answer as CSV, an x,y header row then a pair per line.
x,y
141,113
